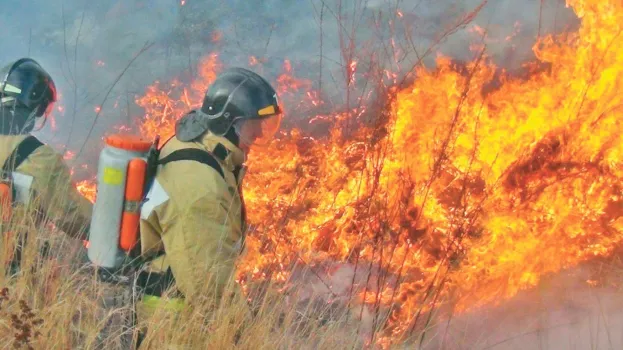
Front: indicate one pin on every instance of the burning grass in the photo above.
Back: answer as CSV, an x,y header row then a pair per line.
x,y
452,194
458,192
55,302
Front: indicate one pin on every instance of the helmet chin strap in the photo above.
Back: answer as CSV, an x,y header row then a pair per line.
x,y
232,136
22,120
7,115
29,125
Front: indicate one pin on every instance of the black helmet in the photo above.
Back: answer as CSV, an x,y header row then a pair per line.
x,y
26,90
237,97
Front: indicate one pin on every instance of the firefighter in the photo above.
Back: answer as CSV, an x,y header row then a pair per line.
x,y
193,221
39,176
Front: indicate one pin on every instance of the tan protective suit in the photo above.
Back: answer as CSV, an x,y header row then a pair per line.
x,y
195,218
58,198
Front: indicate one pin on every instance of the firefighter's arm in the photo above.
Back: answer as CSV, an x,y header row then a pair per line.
x,y
200,249
56,194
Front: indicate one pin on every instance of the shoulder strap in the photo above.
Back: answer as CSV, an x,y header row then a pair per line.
x,y
20,153
195,154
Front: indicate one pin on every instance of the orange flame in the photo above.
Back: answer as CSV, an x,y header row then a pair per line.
x,y
475,191
87,189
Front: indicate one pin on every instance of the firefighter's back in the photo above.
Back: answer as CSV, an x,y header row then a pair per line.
x,y
180,184
45,177
35,188
191,222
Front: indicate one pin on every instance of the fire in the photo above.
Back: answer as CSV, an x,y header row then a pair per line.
x,y
161,110
88,189
69,155
470,192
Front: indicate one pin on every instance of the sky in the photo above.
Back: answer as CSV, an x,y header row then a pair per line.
x,y
86,45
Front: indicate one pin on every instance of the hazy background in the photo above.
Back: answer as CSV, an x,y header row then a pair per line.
x,y
86,44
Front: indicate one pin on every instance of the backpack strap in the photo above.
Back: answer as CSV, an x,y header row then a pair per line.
x,y
194,154
20,154
156,283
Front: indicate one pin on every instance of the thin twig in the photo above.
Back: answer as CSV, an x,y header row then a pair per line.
x,y
145,47
29,40
75,72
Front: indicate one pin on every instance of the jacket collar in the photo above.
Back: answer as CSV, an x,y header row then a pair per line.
x,y
231,156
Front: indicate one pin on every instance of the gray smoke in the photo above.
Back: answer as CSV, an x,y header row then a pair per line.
x,y
567,310
86,45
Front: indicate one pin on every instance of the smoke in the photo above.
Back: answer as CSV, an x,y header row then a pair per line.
x,y
331,291
566,311
86,45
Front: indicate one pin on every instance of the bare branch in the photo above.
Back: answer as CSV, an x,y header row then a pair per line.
x,y
145,48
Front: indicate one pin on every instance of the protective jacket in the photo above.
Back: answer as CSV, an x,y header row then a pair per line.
x,y
45,173
192,222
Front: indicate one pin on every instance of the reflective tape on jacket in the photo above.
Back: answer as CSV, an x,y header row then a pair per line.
x,y
22,184
156,196
152,303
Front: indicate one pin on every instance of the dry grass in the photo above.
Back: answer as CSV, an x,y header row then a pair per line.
x,y
55,302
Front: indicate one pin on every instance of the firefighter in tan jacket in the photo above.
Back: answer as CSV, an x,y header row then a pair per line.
x,y
39,176
193,221
47,176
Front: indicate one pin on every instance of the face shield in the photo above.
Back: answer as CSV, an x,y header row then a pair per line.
x,y
257,131
25,83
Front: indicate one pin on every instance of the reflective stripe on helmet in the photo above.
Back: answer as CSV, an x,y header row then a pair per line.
x,y
10,88
7,99
267,110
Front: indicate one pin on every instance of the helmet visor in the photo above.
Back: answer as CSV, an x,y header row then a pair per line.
x,y
27,84
257,131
